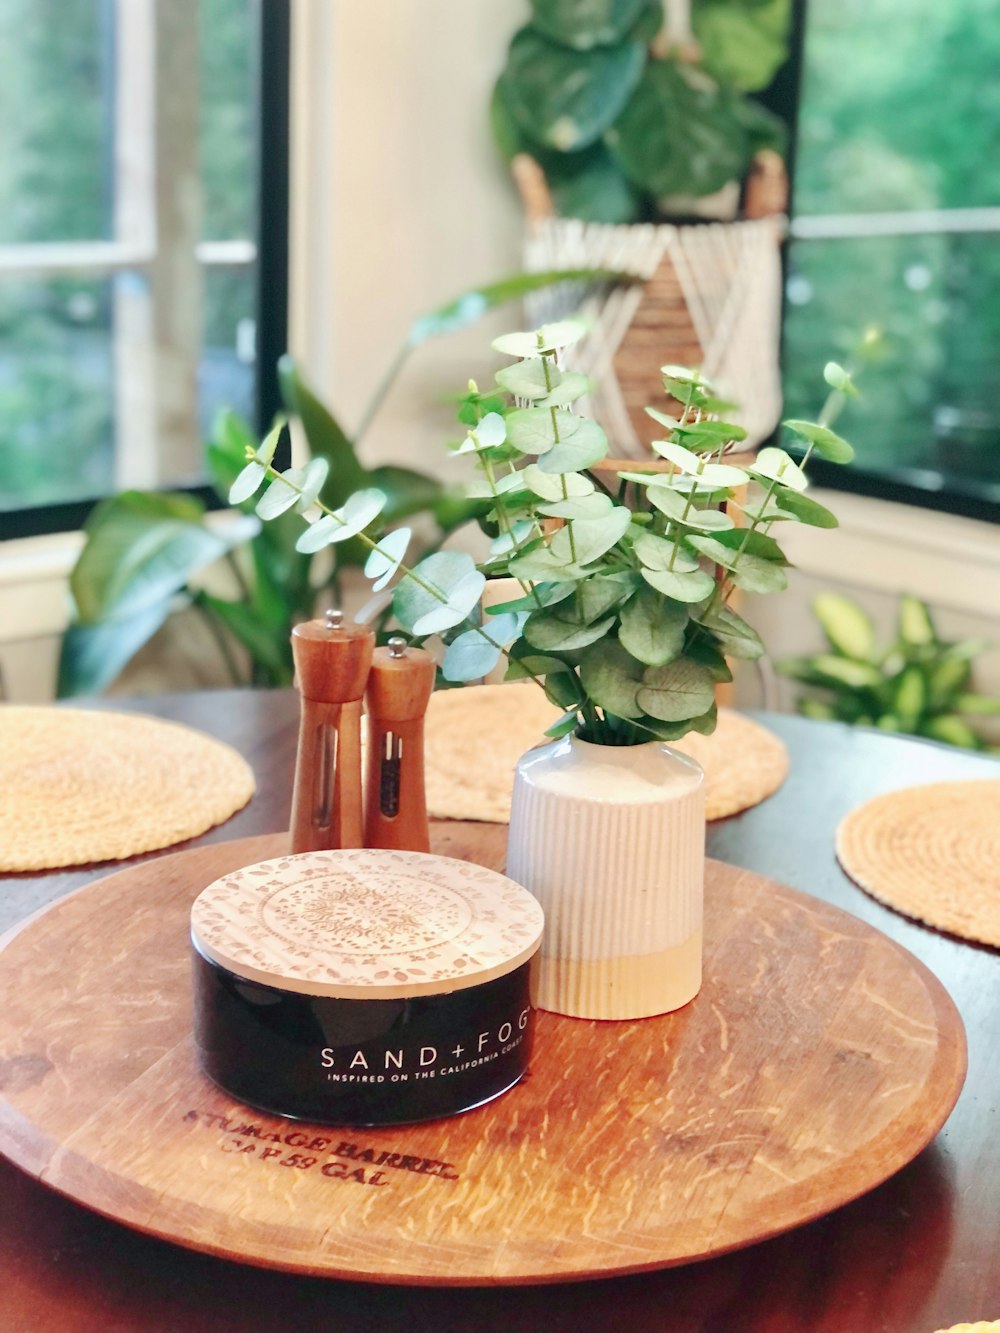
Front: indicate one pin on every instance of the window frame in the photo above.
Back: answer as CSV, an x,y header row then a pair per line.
x,y
917,487
269,250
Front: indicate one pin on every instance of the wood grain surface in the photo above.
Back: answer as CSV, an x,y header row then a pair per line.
x,y
819,1058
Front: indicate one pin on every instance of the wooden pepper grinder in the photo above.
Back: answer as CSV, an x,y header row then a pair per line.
x,y
332,661
399,690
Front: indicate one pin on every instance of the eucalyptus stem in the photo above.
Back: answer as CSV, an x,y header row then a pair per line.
x,y
405,570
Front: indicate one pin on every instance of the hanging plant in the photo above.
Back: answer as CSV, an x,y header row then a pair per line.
x,y
629,112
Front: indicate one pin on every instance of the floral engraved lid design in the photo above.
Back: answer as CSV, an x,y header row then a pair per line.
x,y
360,924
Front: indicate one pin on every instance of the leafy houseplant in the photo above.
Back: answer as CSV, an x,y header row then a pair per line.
x,y
143,551
622,618
919,685
628,121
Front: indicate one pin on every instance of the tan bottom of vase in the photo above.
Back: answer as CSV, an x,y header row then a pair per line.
x,y
617,988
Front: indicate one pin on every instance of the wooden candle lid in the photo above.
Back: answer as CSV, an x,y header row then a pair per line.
x,y
368,925
326,676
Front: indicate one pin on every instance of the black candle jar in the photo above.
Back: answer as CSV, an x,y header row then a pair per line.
x,y
364,987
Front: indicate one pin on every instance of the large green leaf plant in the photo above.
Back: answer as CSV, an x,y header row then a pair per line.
x,y
144,553
626,126
623,614
918,685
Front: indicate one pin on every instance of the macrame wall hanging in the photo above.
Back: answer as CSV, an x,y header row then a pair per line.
x,y
709,295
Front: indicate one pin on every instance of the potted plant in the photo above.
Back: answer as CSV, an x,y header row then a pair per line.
x,y
635,140
623,618
636,112
919,685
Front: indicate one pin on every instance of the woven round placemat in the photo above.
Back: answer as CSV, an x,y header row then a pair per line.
x,y
932,853
476,735
82,786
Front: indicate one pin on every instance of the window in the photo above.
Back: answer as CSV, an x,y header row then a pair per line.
x,y
897,225
130,247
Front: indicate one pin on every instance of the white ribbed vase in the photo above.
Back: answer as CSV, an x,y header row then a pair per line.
x,y
611,841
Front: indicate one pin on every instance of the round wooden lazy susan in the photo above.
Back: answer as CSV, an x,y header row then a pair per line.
x,y
819,1058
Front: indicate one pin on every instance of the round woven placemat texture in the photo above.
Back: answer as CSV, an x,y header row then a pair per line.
x,y
932,853
82,786
476,735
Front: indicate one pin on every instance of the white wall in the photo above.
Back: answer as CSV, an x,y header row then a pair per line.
x,y
400,202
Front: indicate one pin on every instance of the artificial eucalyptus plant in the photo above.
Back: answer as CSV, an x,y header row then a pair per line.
x,y
633,107
143,551
918,684
623,617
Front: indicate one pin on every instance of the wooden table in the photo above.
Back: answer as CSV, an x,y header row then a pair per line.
x,y
917,1254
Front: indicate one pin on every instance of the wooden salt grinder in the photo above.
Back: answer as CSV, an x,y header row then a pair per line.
x,y
332,661
399,690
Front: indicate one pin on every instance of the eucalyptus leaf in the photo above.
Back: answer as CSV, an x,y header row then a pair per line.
x,y
693,586
282,494
356,513
582,443
534,430
548,338
488,433
543,594
700,648
268,446
582,541
595,505
461,598
385,559
518,533
533,378
676,692
508,484
442,572
838,378
611,677
541,563
737,638
675,505
556,488
563,98
313,479
470,657
571,387
652,629
827,443
658,553
805,509
564,726
753,574
776,465
709,435
247,483
751,541
595,597
549,632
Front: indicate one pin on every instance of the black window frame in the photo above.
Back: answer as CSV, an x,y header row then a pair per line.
x,y
920,488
